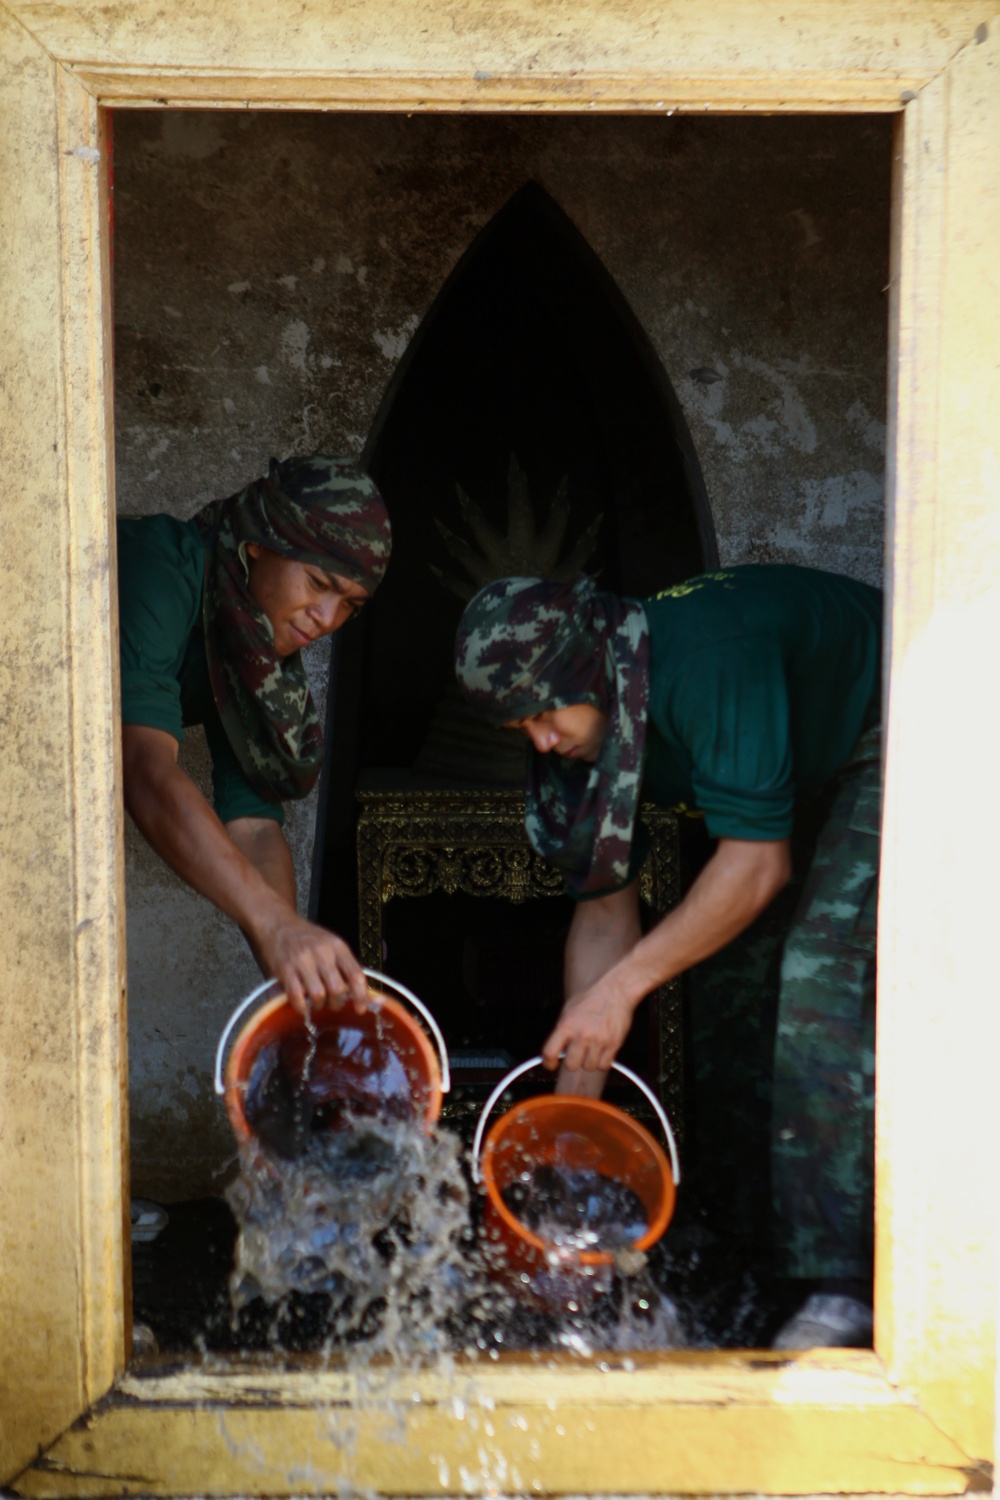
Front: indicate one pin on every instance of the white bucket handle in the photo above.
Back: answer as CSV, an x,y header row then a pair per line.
x,y
525,1067
227,1030
383,979
432,1025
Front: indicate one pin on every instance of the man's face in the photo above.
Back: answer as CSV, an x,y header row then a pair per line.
x,y
575,731
302,602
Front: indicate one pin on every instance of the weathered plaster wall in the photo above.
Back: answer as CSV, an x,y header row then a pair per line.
x,y
269,272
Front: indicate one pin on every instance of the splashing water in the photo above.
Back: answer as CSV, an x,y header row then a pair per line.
x,y
345,1200
372,1214
577,1209
378,1218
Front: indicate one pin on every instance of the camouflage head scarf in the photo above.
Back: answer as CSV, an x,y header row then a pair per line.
x,y
529,644
316,510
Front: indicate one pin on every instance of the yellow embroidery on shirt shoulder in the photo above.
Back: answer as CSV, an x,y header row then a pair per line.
x,y
679,590
683,811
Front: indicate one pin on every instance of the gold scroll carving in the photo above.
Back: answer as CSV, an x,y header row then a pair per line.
x,y
414,842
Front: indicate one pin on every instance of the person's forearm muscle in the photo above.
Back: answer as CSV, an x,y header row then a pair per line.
x,y
262,842
312,964
733,889
174,817
602,932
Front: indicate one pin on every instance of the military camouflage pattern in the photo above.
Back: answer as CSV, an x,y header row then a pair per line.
x,y
526,645
782,1047
824,1060
316,510
732,1005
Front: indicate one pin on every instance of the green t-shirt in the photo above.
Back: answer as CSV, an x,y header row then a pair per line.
x,y
762,679
164,668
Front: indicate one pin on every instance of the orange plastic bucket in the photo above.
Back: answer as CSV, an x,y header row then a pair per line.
x,y
381,1062
568,1130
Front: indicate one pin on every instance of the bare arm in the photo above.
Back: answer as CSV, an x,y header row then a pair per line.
x,y
603,931
246,871
738,882
262,842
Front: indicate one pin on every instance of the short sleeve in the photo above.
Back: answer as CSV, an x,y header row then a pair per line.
x,y
730,709
232,794
160,572
159,595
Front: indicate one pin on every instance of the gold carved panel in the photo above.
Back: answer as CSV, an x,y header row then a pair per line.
x,y
414,842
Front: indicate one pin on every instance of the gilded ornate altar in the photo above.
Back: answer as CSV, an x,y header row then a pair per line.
x,y
412,842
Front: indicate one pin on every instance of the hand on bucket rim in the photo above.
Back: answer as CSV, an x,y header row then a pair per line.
x,y
395,989
313,966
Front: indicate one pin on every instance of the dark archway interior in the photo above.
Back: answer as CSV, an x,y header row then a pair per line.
x,y
529,351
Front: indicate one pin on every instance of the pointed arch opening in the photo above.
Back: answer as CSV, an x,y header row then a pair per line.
x,y
529,388
529,350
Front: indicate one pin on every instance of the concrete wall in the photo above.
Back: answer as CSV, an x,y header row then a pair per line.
x,y
269,271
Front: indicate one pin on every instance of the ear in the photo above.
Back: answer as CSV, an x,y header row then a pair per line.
x,y
253,549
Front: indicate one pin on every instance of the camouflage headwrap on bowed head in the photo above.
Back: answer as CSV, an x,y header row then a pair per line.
x,y
529,644
316,510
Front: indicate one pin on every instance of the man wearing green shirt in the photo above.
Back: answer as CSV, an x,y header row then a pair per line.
x,y
213,614
737,693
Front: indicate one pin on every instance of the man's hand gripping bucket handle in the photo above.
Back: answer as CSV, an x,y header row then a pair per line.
x,y
392,985
525,1067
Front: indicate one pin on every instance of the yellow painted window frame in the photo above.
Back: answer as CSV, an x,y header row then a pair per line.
x,y
917,1415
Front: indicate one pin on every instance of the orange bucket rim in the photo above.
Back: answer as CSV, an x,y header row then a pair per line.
x,y
617,1067
228,1087
482,1156
657,1226
370,974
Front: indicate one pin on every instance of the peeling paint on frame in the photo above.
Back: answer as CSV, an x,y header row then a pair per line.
x,y
64,1290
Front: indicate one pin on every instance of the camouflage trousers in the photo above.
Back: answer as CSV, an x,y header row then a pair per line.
x,y
782,1036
